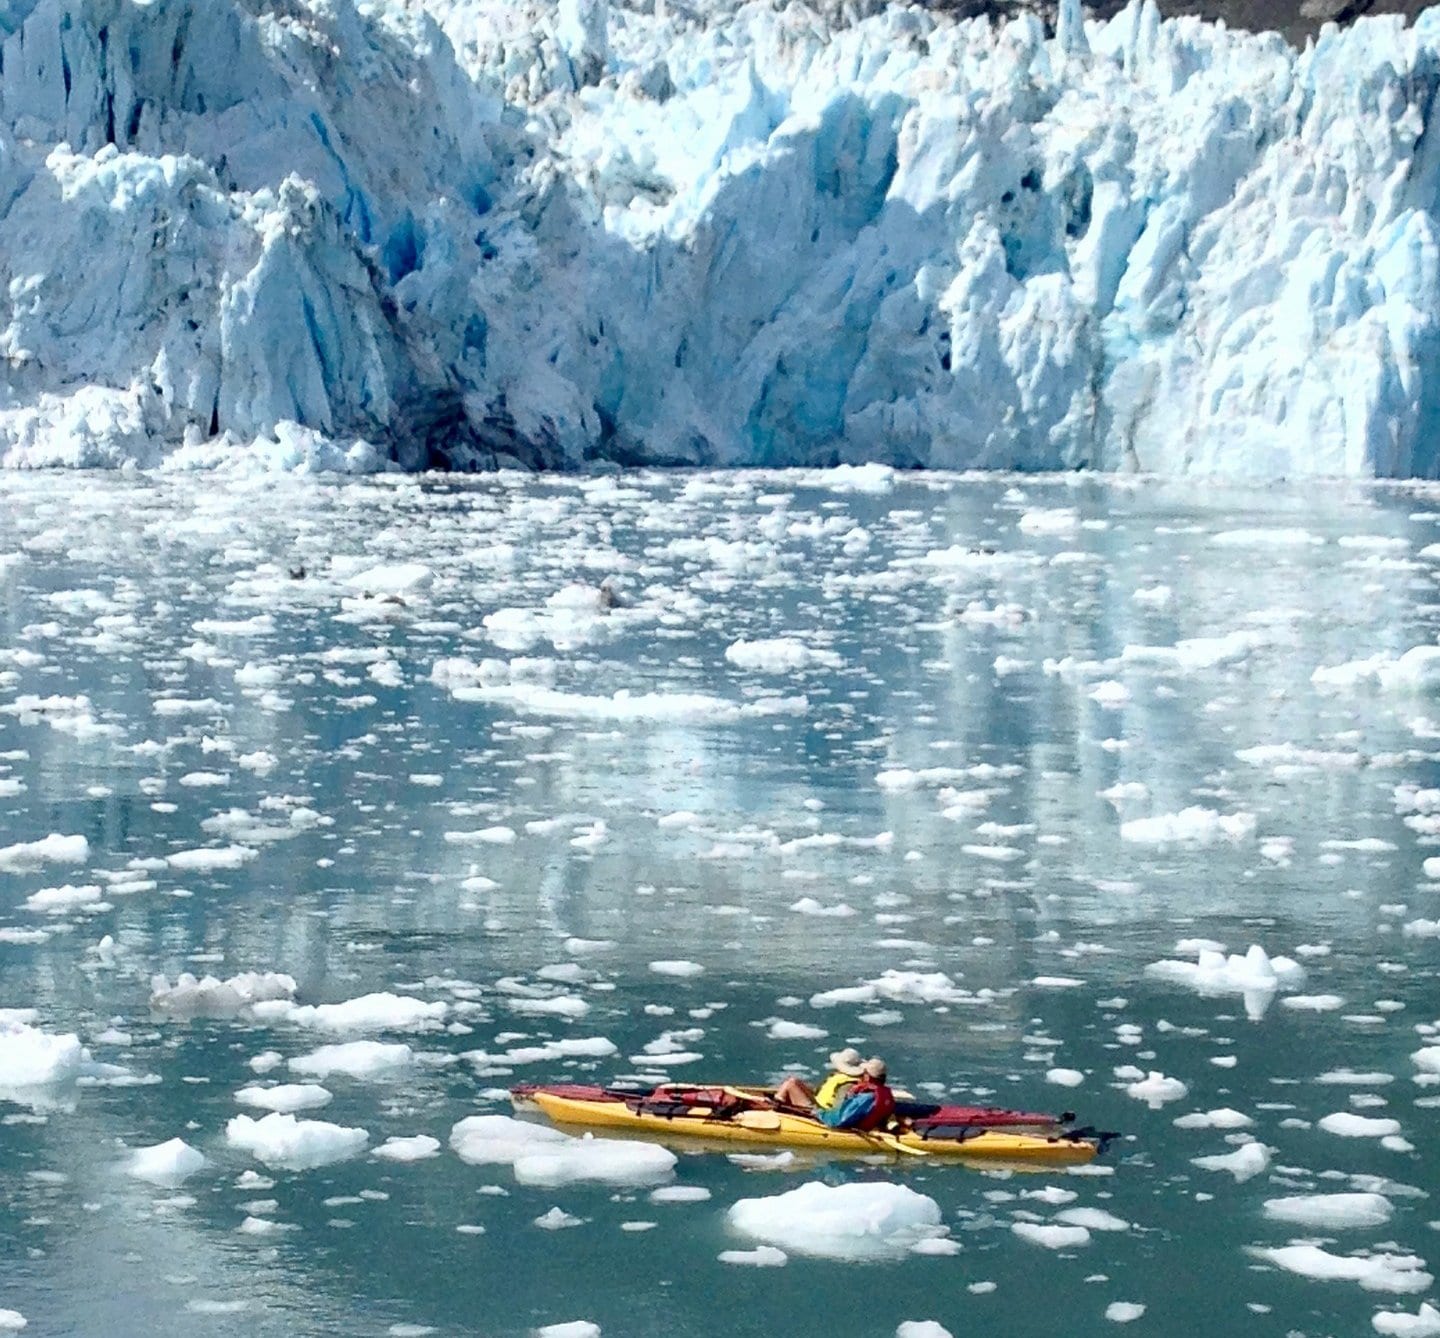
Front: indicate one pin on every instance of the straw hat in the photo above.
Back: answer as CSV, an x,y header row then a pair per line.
x,y
874,1068
846,1061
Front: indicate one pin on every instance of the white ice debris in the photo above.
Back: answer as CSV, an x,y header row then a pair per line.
x,y
1349,1125
1124,1312
1331,1212
1245,1163
922,1328
369,1012
1423,1324
1256,976
27,856
166,1164
281,1140
358,1059
35,1065
420,1147
850,1221
1402,1274
1089,273
287,1098
540,1155
1052,1236
1194,826
1156,1089
209,996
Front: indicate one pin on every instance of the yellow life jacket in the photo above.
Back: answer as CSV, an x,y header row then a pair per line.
x,y
832,1090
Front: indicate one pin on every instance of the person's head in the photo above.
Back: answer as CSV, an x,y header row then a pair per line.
x,y
847,1061
874,1069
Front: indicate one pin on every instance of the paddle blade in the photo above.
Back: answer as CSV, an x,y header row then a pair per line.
x,y
766,1120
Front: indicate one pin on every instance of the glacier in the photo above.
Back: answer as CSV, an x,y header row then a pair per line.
x,y
486,233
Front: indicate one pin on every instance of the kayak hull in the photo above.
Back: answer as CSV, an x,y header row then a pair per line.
x,y
783,1130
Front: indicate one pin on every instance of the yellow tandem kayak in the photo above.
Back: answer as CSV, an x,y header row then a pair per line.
x,y
781,1129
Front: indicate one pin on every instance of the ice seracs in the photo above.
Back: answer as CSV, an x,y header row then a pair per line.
x,y
714,233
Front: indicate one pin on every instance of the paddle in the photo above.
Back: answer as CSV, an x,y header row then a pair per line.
x,y
767,1121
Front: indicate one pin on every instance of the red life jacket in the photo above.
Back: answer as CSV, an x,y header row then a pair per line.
x,y
883,1111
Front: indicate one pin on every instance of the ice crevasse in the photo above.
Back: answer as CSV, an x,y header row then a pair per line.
x,y
478,232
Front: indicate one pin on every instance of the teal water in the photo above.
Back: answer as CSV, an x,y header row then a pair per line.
x,y
957,630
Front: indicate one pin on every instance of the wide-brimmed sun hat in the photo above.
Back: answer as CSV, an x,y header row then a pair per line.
x,y
874,1068
847,1061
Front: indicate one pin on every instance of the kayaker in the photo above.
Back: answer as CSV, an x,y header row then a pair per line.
x,y
845,1071
868,1103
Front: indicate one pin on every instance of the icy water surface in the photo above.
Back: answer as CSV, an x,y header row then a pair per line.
x,y
1003,748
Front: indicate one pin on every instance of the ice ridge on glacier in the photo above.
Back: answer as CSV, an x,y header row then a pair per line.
x,y
474,232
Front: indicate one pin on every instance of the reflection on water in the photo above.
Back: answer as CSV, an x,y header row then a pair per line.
x,y
973,754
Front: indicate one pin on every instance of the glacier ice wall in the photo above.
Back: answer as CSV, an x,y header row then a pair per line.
x,y
468,232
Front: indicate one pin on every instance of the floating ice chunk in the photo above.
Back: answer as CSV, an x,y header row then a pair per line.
x,y
1155,1089
1245,1163
392,578
1424,1324
779,655
1064,1077
608,1161
1348,1125
1092,1219
851,1221
368,1012
1417,670
809,906
1053,521
1314,1003
211,997
762,1256
359,1059
487,836
1267,538
679,1194
922,1328
782,1029
165,1164
925,987
1401,1274
1331,1212
500,1140
203,859
298,1145
557,1219
543,1156
1051,1236
60,900
677,968
1194,826
27,856
1256,976
419,1148
1427,1059
1123,1312
1421,929
287,1098
572,1328
12,1321
1224,1118
35,1066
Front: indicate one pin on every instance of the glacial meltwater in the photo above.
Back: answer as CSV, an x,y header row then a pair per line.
x,y
331,810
